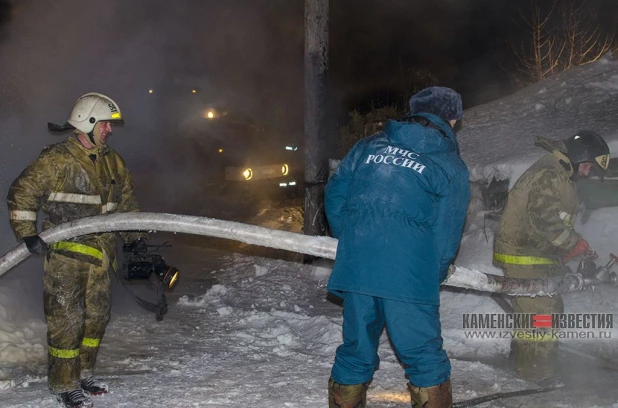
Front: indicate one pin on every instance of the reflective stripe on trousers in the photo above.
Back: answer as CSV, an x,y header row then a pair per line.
x,y
77,300
73,353
60,353
90,342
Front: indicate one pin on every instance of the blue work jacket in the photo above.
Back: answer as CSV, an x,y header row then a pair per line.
x,y
398,203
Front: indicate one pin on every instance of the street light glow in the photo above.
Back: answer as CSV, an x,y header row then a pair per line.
x,y
150,91
210,114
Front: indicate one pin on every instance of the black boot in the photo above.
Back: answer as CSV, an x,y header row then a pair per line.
x,y
93,387
75,399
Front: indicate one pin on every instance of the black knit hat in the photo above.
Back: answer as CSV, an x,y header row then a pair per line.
x,y
441,101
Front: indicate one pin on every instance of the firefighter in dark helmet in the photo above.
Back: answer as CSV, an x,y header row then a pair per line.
x,y
79,177
535,237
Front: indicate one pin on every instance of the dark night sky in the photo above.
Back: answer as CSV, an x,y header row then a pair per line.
x,y
252,50
372,42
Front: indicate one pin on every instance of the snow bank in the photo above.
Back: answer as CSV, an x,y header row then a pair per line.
x,y
21,340
497,138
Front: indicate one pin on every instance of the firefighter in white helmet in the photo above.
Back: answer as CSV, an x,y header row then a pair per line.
x,y
79,177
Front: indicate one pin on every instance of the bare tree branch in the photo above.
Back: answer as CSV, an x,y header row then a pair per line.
x,y
561,36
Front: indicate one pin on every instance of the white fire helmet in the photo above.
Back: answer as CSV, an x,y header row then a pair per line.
x,y
91,108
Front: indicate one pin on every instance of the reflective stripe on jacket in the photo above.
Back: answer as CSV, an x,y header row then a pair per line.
x,y
523,260
538,217
68,182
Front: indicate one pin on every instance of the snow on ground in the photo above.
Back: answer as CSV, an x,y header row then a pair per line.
x,y
259,332
247,329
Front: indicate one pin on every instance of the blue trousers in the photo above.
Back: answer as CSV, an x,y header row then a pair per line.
x,y
415,333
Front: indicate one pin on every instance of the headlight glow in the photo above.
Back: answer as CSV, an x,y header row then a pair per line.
x,y
285,169
247,174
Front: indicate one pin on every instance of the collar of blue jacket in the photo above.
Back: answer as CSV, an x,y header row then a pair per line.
x,y
423,139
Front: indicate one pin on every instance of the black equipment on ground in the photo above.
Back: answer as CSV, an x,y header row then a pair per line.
x,y
593,276
139,263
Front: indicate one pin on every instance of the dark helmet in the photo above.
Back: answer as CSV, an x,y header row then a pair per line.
x,y
587,146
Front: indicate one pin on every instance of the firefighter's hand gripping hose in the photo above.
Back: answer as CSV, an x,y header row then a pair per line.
x,y
323,247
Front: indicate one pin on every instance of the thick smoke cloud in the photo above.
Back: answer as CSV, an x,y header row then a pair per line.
x,y
245,56
240,55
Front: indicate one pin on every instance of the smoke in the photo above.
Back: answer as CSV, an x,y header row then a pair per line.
x,y
244,56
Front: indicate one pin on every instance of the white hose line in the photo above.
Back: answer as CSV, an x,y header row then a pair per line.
x,y
319,246
324,247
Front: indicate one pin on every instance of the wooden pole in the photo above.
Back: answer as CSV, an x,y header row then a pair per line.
x,y
316,135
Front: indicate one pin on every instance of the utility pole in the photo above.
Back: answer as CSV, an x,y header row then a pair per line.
x,y
316,135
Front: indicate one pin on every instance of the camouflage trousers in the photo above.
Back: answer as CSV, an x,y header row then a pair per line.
x,y
533,355
77,301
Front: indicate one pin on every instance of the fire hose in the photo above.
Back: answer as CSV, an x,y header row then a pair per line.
x,y
323,247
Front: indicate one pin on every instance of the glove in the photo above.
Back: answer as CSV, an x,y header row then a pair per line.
x,y
580,248
36,245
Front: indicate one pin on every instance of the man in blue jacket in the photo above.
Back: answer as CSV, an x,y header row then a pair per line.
x,y
397,203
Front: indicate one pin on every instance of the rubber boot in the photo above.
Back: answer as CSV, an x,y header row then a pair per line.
x,y
347,396
438,396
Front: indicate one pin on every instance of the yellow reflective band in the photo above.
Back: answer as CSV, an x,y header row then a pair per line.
x,y
603,161
78,248
116,115
523,260
63,353
90,342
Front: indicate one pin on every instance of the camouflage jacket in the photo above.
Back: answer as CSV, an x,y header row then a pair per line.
x,y
540,210
68,181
